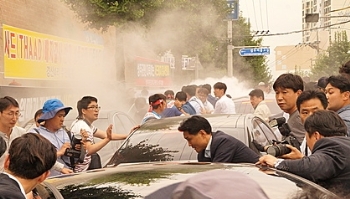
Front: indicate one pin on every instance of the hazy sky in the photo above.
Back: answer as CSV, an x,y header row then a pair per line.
x,y
277,16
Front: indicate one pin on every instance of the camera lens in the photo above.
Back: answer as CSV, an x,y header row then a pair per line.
x,y
278,150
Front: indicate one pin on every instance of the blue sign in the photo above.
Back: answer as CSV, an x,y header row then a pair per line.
x,y
233,5
254,51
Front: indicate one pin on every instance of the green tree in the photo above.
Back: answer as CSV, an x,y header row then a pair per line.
x,y
328,63
250,67
200,29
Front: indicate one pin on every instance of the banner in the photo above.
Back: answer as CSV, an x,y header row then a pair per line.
x,y
32,55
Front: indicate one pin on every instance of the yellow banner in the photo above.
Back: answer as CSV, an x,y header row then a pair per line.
x,y
32,55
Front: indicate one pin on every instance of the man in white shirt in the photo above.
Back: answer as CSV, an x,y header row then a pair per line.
x,y
224,105
203,96
260,108
88,110
197,104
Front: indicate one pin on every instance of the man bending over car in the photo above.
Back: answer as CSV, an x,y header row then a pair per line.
x,y
214,146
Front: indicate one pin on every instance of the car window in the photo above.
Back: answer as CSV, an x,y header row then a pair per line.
x,y
122,123
269,134
262,133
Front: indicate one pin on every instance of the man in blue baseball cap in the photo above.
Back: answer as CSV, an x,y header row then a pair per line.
x,y
53,117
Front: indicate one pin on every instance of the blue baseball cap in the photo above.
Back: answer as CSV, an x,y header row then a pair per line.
x,y
50,109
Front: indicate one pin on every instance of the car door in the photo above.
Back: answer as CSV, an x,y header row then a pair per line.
x,y
260,133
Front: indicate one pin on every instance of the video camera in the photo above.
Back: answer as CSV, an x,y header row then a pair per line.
x,y
73,152
279,148
282,126
3,146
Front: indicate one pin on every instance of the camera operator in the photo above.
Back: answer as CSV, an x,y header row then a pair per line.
x,y
53,114
326,137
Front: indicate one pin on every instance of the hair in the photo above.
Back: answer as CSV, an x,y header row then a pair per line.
x,y
7,101
194,124
181,96
257,93
290,81
340,82
207,86
153,98
322,82
327,123
220,85
169,92
37,113
203,90
312,94
31,155
345,68
190,90
84,103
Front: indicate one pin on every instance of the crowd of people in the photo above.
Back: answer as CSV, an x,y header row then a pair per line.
x,y
318,118
48,149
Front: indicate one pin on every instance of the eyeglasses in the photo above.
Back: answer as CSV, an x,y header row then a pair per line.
x,y
94,107
11,114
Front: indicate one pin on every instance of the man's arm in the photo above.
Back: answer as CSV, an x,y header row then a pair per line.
x,y
102,134
309,167
106,137
327,153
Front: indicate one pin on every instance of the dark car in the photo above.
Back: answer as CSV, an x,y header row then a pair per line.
x,y
140,180
159,140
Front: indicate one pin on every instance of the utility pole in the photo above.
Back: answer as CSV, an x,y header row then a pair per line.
x,y
229,49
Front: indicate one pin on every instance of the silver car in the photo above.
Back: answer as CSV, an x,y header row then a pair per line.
x,y
159,140
140,180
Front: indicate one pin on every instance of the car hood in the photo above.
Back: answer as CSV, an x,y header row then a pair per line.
x,y
139,180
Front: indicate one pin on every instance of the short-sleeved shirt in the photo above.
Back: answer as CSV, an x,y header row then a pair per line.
x,y
16,132
77,125
196,104
57,138
149,116
225,105
188,108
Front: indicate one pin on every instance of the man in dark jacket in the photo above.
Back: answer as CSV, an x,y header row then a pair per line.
x,y
214,146
27,164
329,163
